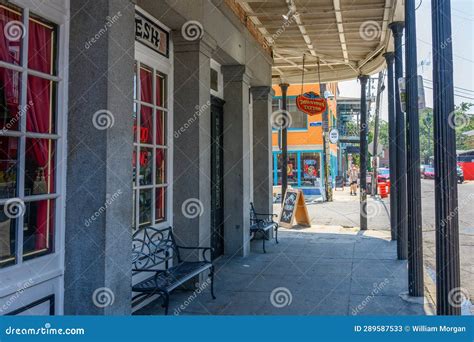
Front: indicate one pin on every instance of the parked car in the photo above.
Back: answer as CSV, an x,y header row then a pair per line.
x,y
460,173
428,173
383,175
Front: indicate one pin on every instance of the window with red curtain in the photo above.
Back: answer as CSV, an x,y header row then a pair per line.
x,y
149,157
22,118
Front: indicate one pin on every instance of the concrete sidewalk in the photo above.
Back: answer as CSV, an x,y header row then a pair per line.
x,y
322,270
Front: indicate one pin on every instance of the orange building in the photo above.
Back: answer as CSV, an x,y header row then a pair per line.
x,y
305,139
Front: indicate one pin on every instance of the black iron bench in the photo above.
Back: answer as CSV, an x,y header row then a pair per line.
x,y
262,223
154,248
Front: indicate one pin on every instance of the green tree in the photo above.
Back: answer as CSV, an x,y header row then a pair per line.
x,y
464,122
461,119
426,135
383,132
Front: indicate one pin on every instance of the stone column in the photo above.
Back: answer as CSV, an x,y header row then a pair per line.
x,y
98,220
236,161
262,148
192,139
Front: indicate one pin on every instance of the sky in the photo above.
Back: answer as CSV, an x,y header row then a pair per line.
x,y
462,20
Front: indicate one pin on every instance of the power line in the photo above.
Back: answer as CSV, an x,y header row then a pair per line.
x,y
457,95
458,88
460,57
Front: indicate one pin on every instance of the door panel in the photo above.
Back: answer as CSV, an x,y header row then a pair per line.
x,y
217,175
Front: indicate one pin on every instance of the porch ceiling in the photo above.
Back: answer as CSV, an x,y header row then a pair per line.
x,y
348,37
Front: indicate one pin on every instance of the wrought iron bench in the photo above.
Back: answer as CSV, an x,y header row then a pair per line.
x,y
262,223
154,248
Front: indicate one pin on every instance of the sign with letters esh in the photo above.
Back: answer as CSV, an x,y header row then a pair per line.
x,y
294,207
151,34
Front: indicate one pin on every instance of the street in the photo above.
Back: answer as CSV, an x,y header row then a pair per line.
x,y
344,211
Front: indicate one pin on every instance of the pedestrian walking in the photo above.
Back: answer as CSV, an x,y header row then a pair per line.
x,y
353,178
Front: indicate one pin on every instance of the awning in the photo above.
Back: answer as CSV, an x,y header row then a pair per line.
x,y
347,37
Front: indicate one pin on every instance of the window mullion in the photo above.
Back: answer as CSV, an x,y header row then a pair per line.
x,y
138,151
22,143
153,166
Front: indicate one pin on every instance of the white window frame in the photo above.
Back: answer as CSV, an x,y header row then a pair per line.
x,y
162,64
50,280
220,80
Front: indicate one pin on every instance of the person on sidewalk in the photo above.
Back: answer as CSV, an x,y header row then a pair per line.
x,y
353,178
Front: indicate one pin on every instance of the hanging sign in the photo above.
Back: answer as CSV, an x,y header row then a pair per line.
x,y
334,136
311,103
294,207
403,93
151,34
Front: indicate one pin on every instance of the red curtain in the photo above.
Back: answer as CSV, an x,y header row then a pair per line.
x,y
40,119
10,80
146,113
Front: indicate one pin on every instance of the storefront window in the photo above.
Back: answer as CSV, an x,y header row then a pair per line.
x,y
292,169
310,165
27,195
149,158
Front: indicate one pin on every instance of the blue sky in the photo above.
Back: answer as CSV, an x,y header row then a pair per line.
x,y
463,50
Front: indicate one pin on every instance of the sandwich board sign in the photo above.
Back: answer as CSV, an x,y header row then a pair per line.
x,y
294,208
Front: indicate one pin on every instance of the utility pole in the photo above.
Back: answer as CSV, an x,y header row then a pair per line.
x,y
376,130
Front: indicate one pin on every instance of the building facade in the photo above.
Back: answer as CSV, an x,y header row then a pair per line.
x,y
305,141
116,115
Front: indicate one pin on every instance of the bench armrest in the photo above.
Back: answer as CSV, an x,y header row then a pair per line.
x,y
147,270
203,251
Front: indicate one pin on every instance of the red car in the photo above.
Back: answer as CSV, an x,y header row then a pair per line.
x,y
428,173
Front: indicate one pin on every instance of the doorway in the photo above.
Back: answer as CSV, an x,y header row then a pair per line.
x,y
217,177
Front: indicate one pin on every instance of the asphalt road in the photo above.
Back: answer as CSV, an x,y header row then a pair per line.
x,y
344,211
466,230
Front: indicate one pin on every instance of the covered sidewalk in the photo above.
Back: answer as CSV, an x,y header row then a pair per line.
x,y
322,270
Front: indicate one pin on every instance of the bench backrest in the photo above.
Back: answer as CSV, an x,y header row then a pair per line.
x,y
152,247
253,216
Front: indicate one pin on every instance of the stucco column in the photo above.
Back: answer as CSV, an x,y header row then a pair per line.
x,y
192,139
98,237
236,161
262,148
